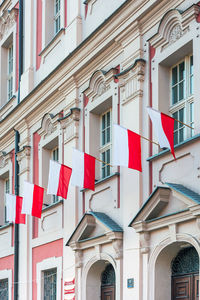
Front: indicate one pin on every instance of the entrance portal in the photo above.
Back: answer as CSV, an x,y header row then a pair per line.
x,y
185,275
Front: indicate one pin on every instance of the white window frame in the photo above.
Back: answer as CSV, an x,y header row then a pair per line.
x,y
47,264
7,191
57,16
10,72
7,274
107,146
55,198
186,103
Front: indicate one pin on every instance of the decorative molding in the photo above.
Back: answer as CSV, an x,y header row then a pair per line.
x,y
99,83
70,124
79,258
131,81
118,247
7,20
4,158
173,26
23,158
145,242
48,125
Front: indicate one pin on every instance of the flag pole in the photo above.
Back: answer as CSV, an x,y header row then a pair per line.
x,y
183,123
105,163
149,140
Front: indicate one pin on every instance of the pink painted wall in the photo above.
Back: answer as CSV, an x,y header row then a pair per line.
x,y
43,252
8,263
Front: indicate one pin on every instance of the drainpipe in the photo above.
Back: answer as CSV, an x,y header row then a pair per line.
x,y
16,244
17,138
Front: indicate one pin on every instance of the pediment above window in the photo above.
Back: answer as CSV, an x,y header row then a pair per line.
x,y
96,228
48,125
166,205
99,83
173,26
7,20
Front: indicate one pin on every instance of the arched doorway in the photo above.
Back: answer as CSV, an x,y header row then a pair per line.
x,y
108,283
185,275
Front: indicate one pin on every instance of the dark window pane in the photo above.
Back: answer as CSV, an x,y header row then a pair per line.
x,y
181,116
108,119
103,122
175,137
181,71
191,85
181,135
174,75
181,91
191,64
108,134
103,137
174,94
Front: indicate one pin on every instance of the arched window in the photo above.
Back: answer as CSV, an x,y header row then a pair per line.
x,y
186,262
108,283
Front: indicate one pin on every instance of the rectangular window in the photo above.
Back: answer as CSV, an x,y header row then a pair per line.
x,y
55,157
50,284
182,98
106,143
10,72
7,191
4,289
56,16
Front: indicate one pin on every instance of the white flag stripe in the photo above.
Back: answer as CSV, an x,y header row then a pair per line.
x,y
157,126
27,198
120,146
54,174
77,178
10,208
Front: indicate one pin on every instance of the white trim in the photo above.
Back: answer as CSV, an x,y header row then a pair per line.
x,y
7,274
46,264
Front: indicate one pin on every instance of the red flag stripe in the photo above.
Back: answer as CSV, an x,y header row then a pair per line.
x,y
19,218
134,145
168,128
64,178
89,172
38,193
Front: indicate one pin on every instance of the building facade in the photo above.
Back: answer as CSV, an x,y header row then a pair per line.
x,y
87,65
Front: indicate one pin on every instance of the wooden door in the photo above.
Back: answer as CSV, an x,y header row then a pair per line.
x,y
108,293
185,287
181,288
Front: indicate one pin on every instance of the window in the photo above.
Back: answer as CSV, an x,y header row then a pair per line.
x,y
50,280
56,16
4,289
10,72
105,148
55,157
182,100
7,191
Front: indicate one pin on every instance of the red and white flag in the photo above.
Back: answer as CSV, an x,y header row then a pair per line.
x,y
59,177
83,170
126,148
32,199
14,208
164,128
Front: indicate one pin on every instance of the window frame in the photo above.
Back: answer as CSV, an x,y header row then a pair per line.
x,y
54,270
106,170
10,72
57,16
184,103
55,198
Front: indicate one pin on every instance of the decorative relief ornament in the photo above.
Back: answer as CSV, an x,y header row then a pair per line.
x,y
7,20
175,34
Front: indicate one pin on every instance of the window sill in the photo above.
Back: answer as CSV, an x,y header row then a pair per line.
x,y
52,44
184,143
5,108
52,205
103,180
